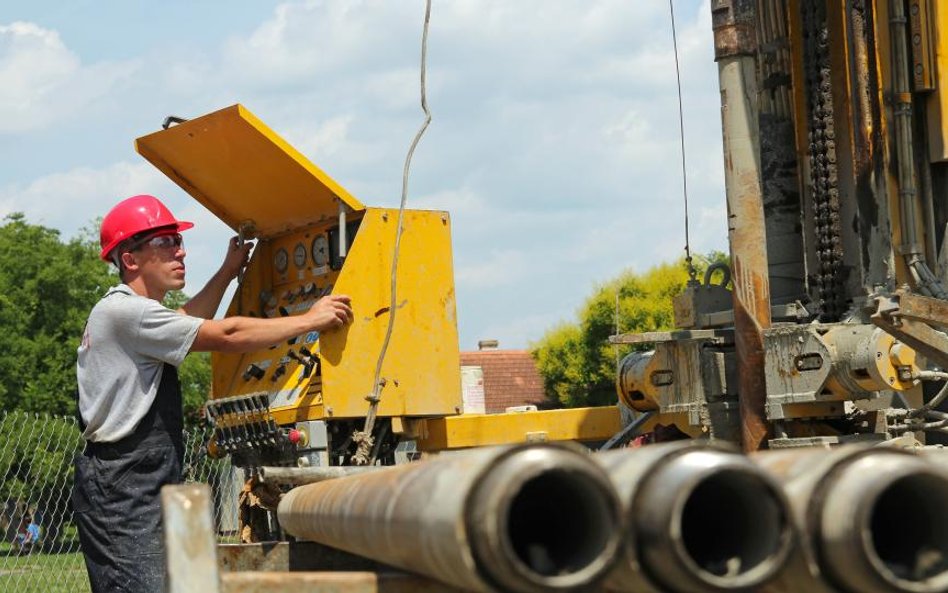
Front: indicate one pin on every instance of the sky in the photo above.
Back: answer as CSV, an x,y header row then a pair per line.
x,y
554,140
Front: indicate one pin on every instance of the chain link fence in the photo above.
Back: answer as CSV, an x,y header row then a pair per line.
x,y
39,546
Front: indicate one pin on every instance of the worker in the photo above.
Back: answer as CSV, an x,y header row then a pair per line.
x,y
129,396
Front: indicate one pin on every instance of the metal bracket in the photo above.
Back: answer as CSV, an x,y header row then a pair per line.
x,y
909,317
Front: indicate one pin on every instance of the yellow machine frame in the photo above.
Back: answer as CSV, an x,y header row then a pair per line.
x,y
263,188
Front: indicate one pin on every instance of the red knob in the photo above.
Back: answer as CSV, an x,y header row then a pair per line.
x,y
294,436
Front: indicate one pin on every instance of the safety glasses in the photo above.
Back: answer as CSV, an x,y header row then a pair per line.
x,y
165,242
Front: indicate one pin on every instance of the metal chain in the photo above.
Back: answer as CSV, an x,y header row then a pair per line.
x,y
821,153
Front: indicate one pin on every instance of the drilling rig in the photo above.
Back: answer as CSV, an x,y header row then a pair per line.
x,y
827,330
835,171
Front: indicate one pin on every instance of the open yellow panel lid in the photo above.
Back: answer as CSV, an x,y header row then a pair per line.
x,y
242,171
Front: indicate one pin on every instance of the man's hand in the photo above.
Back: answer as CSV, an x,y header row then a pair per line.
x,y
330,312
236,258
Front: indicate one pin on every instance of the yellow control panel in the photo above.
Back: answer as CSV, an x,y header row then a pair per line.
x,y
313,238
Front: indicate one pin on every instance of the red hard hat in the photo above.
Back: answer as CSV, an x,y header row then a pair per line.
x,y
132,216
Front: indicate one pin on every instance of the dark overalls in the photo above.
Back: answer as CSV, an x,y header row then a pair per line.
x,y
116,497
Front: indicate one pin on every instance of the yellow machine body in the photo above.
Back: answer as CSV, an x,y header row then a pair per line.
x,y
264,189
476,430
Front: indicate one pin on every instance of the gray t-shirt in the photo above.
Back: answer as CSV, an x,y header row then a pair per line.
x,y
127,340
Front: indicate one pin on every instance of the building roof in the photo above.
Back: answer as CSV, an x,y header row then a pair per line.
x,y
510,378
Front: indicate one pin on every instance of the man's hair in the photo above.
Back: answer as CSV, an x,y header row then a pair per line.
x,y
130,244
116,256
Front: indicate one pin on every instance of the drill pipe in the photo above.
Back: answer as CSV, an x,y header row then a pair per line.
x,y
873,520
309,475
701,518
525,518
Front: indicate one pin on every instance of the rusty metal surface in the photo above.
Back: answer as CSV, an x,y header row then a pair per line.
x,y
747,237
477,519
307,475
734,27
291,556
330,582
921,308
719,336
923,338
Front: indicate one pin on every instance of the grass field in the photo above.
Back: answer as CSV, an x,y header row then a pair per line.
x,y
40,572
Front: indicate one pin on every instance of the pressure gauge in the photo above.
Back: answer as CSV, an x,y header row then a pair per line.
x,y
320,250
280,260
299,255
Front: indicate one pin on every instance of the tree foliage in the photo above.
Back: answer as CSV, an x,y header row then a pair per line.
x,y
576,361
47,288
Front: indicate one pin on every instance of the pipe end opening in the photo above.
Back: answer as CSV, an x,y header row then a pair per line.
x,y
735,526
561,523
909,530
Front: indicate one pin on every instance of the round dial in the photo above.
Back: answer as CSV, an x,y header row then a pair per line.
x,y
320,250
280,260
299,255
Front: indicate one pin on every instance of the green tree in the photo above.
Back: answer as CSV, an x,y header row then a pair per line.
x,y
47,287
195,377
576,361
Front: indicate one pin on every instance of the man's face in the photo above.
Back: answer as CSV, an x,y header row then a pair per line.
x,y
160,258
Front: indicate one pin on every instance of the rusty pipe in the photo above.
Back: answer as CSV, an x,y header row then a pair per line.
x,y
701,519
872,520
309,475
526,518
735,35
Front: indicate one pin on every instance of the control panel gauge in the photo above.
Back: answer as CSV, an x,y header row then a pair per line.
x,y
320,250
281,260
299,255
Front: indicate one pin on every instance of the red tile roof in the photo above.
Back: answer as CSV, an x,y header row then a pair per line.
x,y
510,378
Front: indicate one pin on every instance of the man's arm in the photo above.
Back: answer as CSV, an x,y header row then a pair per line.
x,y
205,303
246,334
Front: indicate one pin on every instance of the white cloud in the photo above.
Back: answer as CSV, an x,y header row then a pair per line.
x,y
72,199
554,144
42,81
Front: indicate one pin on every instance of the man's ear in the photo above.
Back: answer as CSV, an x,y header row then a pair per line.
x,y
129,262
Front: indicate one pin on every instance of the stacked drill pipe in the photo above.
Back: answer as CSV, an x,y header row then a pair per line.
x,y
873,520
526,519
700,518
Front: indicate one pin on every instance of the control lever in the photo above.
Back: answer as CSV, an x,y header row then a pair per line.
x,y
278,372
244,428
306,360
254,371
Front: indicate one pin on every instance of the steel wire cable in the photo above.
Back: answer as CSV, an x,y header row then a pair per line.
x,y
363,438
692,273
